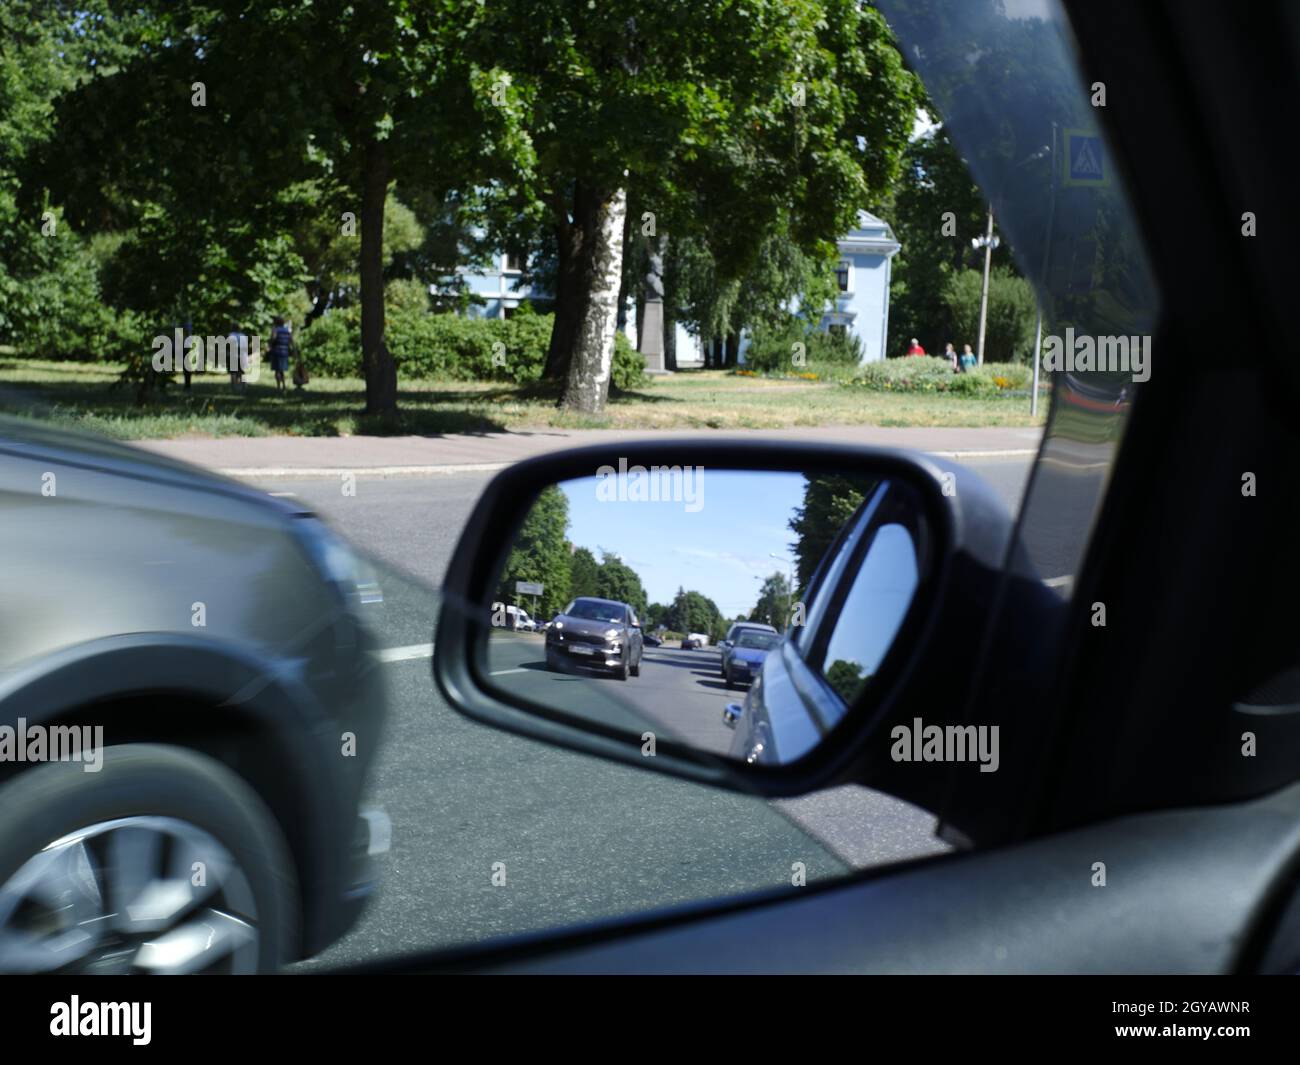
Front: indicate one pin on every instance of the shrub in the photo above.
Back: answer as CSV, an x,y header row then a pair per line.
x,y
449,347
773,350
1009,332
933,375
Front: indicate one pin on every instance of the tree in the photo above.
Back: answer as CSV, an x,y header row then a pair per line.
x,y
584,572
829,501
1011,311
540,554
935,208
730,121
775,600
617,580
694,612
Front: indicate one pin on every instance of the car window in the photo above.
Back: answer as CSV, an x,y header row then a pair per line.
x,y
872,611
110,271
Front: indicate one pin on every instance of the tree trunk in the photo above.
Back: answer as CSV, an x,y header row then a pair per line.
x,y
587,386
376,360
575,241
733,350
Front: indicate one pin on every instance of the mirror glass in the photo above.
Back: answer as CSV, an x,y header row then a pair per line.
x,y
740,612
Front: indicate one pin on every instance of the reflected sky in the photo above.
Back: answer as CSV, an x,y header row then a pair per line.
x,y
717,550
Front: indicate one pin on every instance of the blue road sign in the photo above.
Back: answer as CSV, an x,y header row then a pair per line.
x,y
1085,159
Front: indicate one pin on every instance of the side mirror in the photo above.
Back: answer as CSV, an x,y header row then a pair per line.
x,y
887,613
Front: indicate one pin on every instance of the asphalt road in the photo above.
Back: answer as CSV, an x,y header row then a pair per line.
x,y
576,838
678,694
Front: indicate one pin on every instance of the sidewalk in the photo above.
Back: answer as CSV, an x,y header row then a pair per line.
x,y
396,456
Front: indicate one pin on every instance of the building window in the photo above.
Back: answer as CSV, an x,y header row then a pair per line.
x,y
844,275
839,332
514,263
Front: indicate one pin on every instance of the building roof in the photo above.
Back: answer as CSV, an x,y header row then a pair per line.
x,y
870,235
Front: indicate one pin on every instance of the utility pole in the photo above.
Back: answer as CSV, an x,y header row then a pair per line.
x,y
988,242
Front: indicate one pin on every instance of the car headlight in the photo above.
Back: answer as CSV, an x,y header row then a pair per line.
x,y
559,625
337,562
611,633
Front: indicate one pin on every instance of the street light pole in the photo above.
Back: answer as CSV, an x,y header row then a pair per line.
x,y
983,297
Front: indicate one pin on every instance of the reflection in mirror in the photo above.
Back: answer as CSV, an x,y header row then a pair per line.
x,y
737,612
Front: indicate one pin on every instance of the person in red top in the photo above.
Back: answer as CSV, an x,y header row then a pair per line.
x,y
916,348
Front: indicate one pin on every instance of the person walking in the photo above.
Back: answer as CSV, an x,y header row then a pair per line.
x,y
916,348
968,359
950,353
281,348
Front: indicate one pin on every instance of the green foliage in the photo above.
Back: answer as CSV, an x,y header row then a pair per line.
x,y
694,612
450,347
773,349
615,579
541,554
583,569
774,602
829,501
1012,308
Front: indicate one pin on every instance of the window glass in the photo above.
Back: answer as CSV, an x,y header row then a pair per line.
x,y
872,611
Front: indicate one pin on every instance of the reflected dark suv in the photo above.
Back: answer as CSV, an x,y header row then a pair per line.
x,y
196,650
600,633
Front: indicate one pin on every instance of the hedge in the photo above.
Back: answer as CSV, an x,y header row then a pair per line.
x,y
921,374
449,347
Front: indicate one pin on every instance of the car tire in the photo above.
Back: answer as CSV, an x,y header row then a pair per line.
x,y
552,661
168,804
623,670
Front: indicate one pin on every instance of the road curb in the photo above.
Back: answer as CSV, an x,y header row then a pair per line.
x,y
307,472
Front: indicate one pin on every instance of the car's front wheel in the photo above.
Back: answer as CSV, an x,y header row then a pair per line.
x,y
162,861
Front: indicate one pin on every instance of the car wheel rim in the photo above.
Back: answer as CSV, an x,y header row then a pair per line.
x,y
131,895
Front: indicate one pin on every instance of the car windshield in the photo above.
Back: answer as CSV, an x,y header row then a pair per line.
x,y
593,610
759,641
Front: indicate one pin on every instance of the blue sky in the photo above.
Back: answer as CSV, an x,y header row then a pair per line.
x,y
718,549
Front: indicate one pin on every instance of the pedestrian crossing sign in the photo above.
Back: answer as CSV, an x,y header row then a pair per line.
x,y
1085,159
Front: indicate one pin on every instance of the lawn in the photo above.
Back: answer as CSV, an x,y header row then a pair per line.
x,y
79,394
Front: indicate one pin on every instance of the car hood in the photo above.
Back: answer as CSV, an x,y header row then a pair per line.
x,y
31,439
585,626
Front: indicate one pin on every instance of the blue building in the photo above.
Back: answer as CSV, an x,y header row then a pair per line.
x,y
861,309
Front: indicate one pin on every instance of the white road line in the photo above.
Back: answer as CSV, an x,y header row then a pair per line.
x,y
283,495
503,672
405,654
1058,582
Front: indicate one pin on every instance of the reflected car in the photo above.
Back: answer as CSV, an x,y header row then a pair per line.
x,y
596,633
744,658
209,647
733,634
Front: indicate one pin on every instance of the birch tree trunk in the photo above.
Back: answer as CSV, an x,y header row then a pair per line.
x,y
587,385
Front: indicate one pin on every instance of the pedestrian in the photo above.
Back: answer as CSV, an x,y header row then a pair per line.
x,y
950,353
238,350
968,359
281,347
916,348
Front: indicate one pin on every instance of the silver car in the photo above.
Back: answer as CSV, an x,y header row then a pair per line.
x,y
188,709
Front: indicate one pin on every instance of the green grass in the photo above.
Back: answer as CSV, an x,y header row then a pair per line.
x,y
80,395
